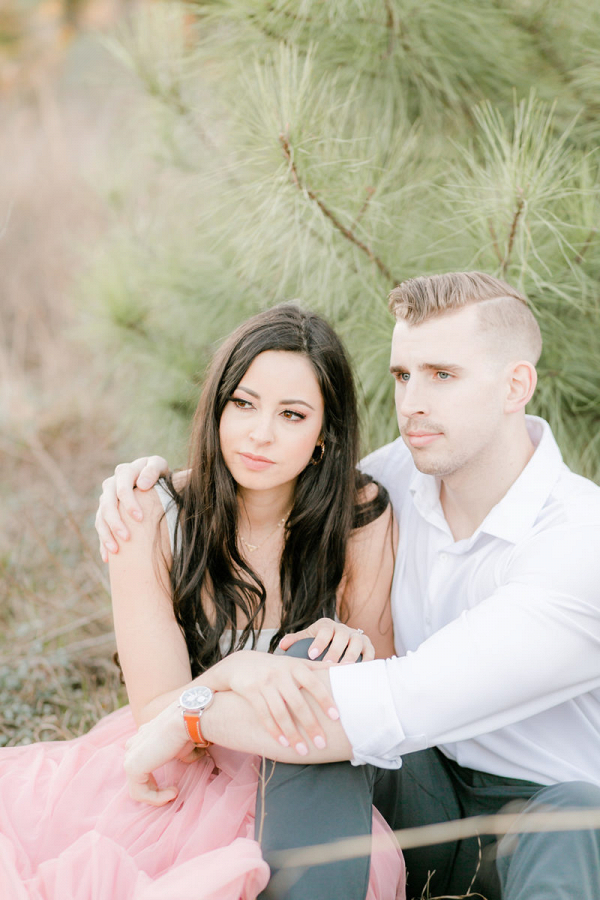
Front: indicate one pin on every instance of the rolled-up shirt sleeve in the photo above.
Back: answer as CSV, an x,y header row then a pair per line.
x,y
363,694
531,645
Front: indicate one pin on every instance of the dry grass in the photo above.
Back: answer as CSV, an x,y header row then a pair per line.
x,y
58,418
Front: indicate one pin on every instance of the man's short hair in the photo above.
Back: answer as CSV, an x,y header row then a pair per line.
x,y
503,313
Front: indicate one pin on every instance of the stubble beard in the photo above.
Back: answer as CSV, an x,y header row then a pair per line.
x,y
426,459
439,464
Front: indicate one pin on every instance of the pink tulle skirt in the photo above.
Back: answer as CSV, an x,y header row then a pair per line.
x,y
68,828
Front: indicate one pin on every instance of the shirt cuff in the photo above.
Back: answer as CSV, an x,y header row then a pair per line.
x,y
364,700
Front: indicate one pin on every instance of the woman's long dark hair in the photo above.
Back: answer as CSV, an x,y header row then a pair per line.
x,y
208,571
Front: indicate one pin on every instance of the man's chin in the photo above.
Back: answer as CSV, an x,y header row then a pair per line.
x,y
429,466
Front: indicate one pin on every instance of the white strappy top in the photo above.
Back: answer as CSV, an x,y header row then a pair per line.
x,y
170,507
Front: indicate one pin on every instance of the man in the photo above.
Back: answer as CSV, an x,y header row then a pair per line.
x,y
494,695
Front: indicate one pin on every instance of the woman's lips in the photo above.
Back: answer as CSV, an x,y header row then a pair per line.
x,y
256,463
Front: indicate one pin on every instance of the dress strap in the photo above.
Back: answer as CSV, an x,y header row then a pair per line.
x,y
170,508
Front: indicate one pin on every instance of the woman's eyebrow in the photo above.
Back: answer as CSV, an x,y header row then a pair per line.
x,y
296,403
291,402
241,387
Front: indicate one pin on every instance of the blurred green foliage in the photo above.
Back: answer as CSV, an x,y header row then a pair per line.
x,y
326,151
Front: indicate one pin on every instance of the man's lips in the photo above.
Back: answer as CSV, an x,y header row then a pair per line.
x,y
256,463
422,438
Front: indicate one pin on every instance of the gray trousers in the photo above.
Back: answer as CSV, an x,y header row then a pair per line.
x,y
311,804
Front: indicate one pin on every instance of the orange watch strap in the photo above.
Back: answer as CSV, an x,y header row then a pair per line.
x,y
192,724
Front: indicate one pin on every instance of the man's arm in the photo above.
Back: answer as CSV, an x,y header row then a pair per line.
x,y
118,489
530,646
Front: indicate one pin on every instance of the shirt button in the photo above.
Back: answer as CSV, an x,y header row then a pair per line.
x,y
443,557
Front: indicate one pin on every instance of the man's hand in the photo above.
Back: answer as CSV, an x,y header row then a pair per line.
x,y
340,641
156,743
276,688
118,490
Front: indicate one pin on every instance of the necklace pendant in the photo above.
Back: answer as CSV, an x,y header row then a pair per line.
x,y
251,548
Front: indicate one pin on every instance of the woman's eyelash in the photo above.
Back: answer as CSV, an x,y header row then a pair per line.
x,y
290,414
240,400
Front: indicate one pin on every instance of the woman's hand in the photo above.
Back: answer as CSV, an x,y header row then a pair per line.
x,y
118,490
277,688
335,637
157,742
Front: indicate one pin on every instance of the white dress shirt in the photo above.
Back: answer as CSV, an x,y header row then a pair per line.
x,y
497,635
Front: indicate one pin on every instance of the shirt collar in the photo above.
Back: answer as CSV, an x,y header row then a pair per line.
x,y
517,511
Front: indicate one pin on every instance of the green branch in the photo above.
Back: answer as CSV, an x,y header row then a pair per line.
x,y
512,235
346,232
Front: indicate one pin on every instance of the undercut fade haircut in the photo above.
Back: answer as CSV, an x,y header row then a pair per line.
x,y
504,313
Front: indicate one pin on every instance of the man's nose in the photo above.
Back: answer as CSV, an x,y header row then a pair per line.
x,y
412,400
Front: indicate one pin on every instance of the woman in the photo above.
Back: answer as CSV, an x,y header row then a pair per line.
x,y
270,530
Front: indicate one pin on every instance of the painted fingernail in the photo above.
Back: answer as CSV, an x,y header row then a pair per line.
x,y
123,534
283,741
136,514
112,547
319,742
313,653
144,483
302,749
333,713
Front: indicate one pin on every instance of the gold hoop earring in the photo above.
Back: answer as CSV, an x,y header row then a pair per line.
x,y
315,460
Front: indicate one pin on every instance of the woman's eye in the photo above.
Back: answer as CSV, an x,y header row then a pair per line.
x,y
292,416
241,404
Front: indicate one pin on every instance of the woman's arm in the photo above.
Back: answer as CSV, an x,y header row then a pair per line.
x,y
153,652
363,597
151,646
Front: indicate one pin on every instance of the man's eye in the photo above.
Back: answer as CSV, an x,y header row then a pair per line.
x,y
443,376
402,376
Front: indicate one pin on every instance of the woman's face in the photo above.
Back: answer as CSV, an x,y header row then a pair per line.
x,y
272,421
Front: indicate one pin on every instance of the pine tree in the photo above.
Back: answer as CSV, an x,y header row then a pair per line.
x,y
325,151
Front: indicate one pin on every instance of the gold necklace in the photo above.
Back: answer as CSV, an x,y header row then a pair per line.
x,y
252,548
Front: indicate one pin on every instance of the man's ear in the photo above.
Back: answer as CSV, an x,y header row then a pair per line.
x,y
521,382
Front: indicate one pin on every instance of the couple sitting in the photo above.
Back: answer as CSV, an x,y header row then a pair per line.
x,y
273,541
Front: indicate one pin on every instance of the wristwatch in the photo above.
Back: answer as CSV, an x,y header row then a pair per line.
x,y
192,703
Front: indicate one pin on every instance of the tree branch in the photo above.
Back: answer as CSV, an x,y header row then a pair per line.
x,y
579,258
364,207
513,232
346,232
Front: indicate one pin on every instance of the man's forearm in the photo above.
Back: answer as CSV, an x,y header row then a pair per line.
x,y
232,722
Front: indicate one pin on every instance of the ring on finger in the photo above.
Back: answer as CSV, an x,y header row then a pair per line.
x,y
359,631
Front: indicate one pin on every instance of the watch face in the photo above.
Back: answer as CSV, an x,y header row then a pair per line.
x,y
196,698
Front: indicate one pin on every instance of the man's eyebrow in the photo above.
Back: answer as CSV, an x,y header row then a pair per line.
x,y
241,387
430,367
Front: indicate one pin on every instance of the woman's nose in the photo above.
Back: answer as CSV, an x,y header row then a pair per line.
x,y
262,430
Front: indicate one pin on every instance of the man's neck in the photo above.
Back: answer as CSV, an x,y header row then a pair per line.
x,y
468,495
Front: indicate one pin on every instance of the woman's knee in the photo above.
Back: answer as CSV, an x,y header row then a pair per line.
x,y
301,648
